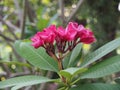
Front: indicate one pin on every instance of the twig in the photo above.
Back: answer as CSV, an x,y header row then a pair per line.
x,y
61,6
13,27
6,69
19,11
30,12
75,10
20,74
23,19
9,28
6,38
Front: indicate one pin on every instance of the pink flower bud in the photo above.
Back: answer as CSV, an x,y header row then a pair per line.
x,y
61,33
71,35
86,36
51,28
48,35
67,34
71,31
37,41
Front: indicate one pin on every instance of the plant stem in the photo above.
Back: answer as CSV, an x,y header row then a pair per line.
x,y
67,88
60,66
63,88
53,56
75,81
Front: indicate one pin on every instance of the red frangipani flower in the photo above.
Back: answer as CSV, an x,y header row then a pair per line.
x,y
86,35
64,38
45,37
37,41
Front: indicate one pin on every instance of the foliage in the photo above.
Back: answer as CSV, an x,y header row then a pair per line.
x,y
92,70
71,74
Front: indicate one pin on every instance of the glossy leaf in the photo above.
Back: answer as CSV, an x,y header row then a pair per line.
x,y
106,67
72,58
36,57
75,53
102,51
97,86
24,81
70,72
66,61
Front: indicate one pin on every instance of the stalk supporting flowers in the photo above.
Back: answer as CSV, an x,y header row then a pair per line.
x,y
59,41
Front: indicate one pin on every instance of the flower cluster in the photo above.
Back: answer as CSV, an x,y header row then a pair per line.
x,y
62,39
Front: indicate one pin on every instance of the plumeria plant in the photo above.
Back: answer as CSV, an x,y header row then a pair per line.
x,y
59,50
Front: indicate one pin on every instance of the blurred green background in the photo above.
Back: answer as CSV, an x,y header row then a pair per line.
x,y
21,19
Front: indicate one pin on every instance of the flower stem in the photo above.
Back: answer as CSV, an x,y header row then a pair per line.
x,y
53,56
63,88
75,81
60,65
61,68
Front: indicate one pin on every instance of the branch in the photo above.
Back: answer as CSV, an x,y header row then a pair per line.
x,y
19,12
30,12
9,27
20,74
6,38
23,19
74,11
61,6
6,69
13,27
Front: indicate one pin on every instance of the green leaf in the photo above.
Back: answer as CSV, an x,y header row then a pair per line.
x,y
24,81
70,72
97,86
65,61
75,53
102,51
106,67
36,57
18,87
72,58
